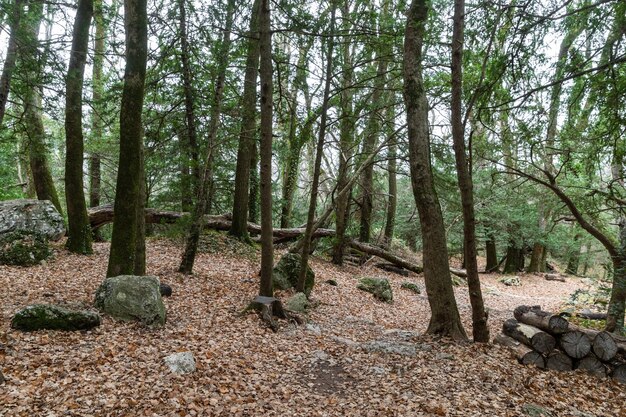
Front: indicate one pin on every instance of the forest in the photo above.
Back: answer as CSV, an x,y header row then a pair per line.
x,y
343,207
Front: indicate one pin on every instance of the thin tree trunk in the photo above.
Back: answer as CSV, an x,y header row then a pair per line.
x,y
11,56
445,319
346,141
247,133
492,253
130,176
392,186
318,156
97,129
202,201
253,200
265,74
79,232
480,329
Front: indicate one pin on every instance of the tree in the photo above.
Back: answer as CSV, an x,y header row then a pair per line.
x,y
464,175
11,56
79,230
445,319
265,73
127,239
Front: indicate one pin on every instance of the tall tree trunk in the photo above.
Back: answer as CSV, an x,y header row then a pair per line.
x,y
346,141
79,231
190,153
130,175
392,187
248,131
464,174
253,199
265,73
97,128
372,132
38,151
445,319
11,56
491,252
318,156
202,201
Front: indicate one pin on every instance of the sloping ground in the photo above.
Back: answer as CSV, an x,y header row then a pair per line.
x,y
332,367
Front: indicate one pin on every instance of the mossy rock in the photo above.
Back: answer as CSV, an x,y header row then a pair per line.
x,y
298,302
287,270
511,281
411,287
23,248
52,317
132,298
379,287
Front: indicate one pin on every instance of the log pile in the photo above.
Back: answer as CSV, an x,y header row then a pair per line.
x,y
549,341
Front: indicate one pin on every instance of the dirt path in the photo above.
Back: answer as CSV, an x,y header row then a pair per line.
x,y
356,357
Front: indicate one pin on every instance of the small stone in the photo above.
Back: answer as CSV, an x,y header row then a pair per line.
x,y
331,282
377,370
534,410
400,334
298,302
165,290
513,281
314,328
181,362
320,355
385,346
442,356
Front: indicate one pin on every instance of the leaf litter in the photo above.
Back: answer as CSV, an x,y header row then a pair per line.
x,y
355,357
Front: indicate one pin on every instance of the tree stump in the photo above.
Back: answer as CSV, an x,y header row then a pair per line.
x,y
268,308
524,354
534,316
559,361
604,346
576,344
531,336
592,365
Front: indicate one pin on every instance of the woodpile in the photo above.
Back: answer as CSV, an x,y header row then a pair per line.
x,y
549,341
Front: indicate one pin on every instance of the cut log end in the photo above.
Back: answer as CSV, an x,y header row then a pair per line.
x,y
619,373
592,365
604,346
524,354
531,336
559,361
576,344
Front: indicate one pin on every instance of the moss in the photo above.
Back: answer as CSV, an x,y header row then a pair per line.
x,y
23,248
51,317
379,287
286,272
411,287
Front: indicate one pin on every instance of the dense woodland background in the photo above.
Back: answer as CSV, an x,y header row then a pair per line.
x,y
535,91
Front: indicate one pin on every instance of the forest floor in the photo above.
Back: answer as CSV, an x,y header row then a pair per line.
x,y
331,367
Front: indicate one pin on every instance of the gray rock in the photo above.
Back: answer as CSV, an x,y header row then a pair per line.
x,y
379,287
511,281
297,302
378,370
51,317
181,362
132,298
165,290
286,272
314,328
320,355
33,216
400,334
534,410
23,248
386,346
444,356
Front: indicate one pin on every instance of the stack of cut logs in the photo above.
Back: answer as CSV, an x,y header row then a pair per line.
x,y
549,341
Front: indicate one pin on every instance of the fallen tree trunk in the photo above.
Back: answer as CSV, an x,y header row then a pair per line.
x,y
531,336
392,268
101,215
534,316
554,277
524,354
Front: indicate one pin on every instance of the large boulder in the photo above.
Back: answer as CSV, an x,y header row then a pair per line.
x,y
286,272
379,287
23,248
132,298
34,216
52,317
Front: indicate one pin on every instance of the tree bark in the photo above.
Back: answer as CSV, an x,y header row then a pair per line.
x,y
265,72
97,128
523,353
445,319
534,316
492,254
480,329
531,336
392,184
128,196
246,148
79,232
